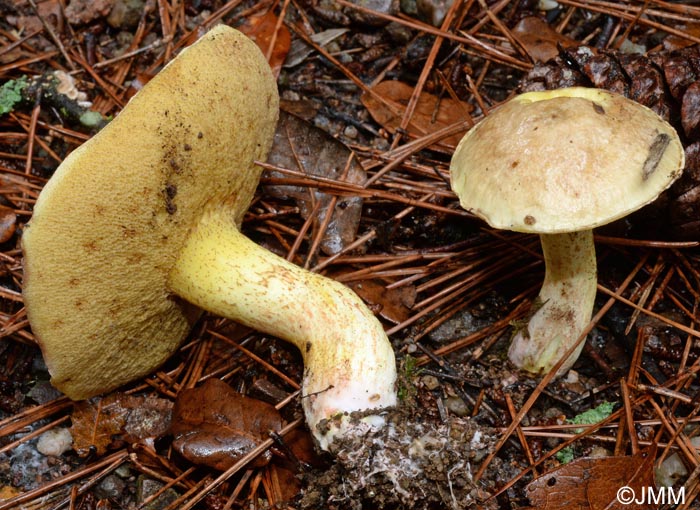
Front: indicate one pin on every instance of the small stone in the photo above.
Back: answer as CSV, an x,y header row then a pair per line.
x,y
43,392
390,7
430,382
146,487
457,406
111,487
350,132
126,14
433,11
55,442
547,5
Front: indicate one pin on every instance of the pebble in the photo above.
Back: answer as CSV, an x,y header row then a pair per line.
x,y
55,442
146,487
430,382
125,14
457,406
111,487
350,131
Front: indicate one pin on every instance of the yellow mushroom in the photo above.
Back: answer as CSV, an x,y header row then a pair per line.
x,y
558,164
141,222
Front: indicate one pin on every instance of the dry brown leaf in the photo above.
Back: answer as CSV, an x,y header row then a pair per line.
x,y
673,42
8,223
261,29
301,446
81,12
431,112
539,39
8,492
214,425
100,422
392,304
301,146
593,483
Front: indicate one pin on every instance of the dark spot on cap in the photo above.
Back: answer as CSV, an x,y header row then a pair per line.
x,y
187,147
308,346
171,190
598,109
529,220
90,246
656,152
200,134
514,164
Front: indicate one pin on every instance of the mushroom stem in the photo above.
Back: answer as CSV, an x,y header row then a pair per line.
x,y
348,359
565,304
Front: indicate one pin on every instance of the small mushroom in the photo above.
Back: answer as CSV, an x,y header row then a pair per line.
x,y
141,223
560,163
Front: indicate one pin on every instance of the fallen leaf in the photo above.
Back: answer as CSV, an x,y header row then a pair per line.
x,y
262,28
8,492
48,11
81,12
431,112
674,42
392,304
99,422
214,425
593,483
8,223
301,446
301,146
300,50
306,109
539,39
138,82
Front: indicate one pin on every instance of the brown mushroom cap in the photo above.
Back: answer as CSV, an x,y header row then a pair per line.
x,y
108,226
565,160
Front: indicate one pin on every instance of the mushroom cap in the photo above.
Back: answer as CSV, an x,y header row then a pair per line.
x,y
109,224
564,160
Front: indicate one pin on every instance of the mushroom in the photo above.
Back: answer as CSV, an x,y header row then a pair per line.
x,y
560,163
138,231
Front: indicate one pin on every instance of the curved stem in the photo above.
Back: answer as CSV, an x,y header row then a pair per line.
x,y
565,304
348,361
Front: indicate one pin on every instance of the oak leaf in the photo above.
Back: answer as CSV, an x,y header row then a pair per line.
x,y
431,112
593,483
215,426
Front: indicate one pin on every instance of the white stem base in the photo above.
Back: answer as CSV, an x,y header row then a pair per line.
x,y
566,298
348,360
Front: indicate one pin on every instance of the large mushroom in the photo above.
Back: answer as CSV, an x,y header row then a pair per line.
x,y
560,163
141,223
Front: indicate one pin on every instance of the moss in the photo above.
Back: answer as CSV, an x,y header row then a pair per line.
x,y
408,371
11,94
